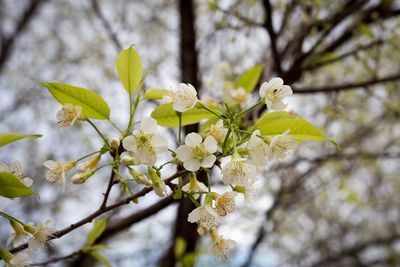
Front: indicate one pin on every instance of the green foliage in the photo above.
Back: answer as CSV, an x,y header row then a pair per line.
x,y
180,247
11,186
166,116
275,123
129,67
98,228
155,93
100,258
250,78
6,138
93,105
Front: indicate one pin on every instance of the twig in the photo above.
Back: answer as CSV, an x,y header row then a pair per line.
x,y
88,219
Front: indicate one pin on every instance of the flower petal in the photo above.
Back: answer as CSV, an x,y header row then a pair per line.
x,y
193,140
148,125
208,162
192,165
184,152
210,144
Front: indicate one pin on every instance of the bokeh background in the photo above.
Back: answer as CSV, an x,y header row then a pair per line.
x,y
320,207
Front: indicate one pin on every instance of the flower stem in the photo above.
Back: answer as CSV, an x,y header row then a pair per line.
x,y
210,110
180,127
116,127
250,108
98,131
88,155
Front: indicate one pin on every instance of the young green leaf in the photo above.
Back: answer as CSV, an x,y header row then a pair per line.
x,y
98,228
155,93
11,186
6,138
166,116
129,67
92,104
249,78
100,258
275,123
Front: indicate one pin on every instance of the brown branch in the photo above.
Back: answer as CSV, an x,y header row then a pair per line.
x,y
272,35
347,86
109,187
106,24
7,43
88,219
57,259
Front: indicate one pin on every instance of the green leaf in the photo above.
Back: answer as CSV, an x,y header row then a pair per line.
x,y
155,93
180,247
98,228
166,116
11,186
275,123
93,105
129,67
249,78
6,138
100,258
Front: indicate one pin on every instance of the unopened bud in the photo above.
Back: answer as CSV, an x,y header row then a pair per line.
x,y
80,178
128,159
69,165
159,186
114,143
140,178
90,164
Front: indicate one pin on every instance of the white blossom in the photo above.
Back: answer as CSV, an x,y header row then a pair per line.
x,y
218,131
160,188
68,115
225,203
17,170
194,186
20,259
259,151
41,236
274,91
57,171
195,154
145,143
184,97
237,171
282,144
240,96
206,216
221,247
19,235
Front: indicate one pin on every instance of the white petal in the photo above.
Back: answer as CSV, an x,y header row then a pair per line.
x,y
208,162
129,143
148,125
184,152
50,164
276,82
263,89
193,140
160,143
277,105
286,91
192,165
27,181
210,144
195,215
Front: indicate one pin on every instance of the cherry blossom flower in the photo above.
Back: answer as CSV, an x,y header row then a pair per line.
x,y
140,178
57,171
41,235
194,186
145,143
206,216
20,259
195,154
225,203
19,235
274,91
17,170
221,247
259,151
218,131
240,96
184,97
282,144
238,171
67,116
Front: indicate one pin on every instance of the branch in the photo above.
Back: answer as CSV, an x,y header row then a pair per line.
x,y
106,24
8,43
272,35
347,86
57,259
88,219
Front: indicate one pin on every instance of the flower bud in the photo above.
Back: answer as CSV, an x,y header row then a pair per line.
x,y
127,159
69,165
115,143
159,186
90,164
80,178
140,178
